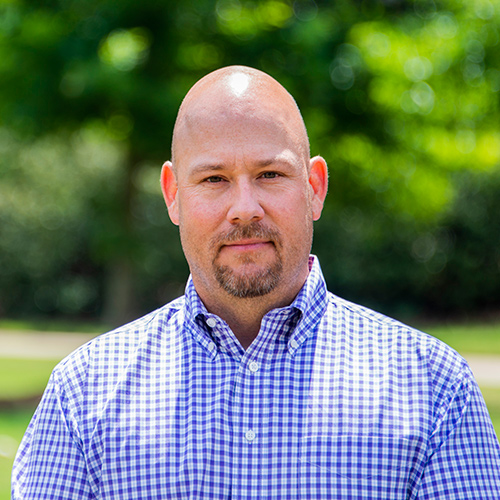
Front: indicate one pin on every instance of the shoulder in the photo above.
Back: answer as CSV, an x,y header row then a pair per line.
x,y
107,357
389,338
126,337
410,363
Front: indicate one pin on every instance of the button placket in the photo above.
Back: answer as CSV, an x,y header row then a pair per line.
x,y
250,434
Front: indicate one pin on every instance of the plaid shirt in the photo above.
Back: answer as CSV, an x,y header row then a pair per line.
x,y
331,400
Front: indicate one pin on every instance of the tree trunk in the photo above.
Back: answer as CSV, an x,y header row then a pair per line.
x,y
120,305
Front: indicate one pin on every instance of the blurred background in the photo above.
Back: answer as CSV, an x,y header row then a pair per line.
x,y
401,97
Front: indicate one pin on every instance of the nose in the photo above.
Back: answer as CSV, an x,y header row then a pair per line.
x,y
244,204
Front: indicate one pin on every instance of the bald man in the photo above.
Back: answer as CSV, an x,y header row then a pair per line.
x,y
258,382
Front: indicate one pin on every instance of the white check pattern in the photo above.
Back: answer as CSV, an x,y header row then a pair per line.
x,y
331,401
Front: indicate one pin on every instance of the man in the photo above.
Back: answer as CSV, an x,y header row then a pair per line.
x,y
258,383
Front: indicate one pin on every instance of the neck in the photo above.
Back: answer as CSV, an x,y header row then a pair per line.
x,y
244,321
244,316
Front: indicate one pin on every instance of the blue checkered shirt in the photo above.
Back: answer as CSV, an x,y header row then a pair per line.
x,y
331,400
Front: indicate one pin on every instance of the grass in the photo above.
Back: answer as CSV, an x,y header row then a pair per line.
x,y
19,379
53,326
12,427
22,378
492,398
472,338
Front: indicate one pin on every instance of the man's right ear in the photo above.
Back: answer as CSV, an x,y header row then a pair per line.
x,y
169,190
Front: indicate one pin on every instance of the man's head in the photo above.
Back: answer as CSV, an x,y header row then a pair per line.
x,y
241,185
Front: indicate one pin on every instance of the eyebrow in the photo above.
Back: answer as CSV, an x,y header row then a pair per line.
x,y
206,167
285,157
215,167
266,163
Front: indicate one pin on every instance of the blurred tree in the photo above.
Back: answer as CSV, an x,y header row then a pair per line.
x,y
400,96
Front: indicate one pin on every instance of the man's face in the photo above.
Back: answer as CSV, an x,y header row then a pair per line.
x,y
243,205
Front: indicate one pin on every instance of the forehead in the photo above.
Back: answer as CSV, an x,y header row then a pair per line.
x,y
222,138
236,127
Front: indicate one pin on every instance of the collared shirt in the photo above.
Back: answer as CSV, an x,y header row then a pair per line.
x,y
331,400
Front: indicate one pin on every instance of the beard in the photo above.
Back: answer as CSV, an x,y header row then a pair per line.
x,y
260,282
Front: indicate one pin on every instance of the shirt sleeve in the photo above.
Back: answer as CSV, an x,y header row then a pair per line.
x,y
50,462
464,461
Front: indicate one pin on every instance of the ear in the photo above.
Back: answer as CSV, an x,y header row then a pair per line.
x,y
169,190
318,179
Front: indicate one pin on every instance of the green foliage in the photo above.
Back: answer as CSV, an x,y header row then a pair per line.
x,y
446,266
49,192
400,97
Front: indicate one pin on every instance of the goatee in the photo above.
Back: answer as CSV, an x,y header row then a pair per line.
x,y
253,285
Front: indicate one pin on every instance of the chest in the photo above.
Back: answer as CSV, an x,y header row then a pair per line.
x,y
289,428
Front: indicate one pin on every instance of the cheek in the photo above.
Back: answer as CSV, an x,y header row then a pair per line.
x,y
191,204
198,220
292,211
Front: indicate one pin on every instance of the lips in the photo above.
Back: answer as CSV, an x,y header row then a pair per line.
x,y
248,244
250,237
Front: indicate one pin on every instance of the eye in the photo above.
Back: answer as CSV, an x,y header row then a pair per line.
x,y
213,179
269,175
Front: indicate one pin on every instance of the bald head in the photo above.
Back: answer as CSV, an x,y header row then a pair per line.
x,y
235,94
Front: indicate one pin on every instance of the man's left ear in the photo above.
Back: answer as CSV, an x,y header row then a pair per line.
x,y
318,179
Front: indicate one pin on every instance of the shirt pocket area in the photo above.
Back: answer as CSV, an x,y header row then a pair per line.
x,y
357,466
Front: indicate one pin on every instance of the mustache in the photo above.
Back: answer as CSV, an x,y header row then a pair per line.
x,y
248,231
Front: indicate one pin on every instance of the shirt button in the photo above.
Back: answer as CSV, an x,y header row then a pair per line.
x,y
211,322
253,366
211,346
250,435
294,344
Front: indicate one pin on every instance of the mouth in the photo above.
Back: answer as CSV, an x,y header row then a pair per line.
x,y
247,241
247,245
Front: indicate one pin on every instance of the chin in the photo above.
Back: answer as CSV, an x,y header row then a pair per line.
x,y
249,284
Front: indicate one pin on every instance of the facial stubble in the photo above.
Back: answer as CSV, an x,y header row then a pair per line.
x,y
258,283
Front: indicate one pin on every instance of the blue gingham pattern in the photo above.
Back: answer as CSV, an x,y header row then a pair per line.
x,y
331,400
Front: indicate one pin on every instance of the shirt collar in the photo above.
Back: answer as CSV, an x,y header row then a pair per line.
x,y
311,302
194,305
314,288
308,306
